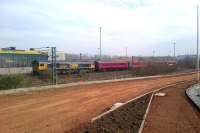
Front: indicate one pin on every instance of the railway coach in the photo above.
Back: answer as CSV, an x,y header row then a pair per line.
x,y
111,65
138,64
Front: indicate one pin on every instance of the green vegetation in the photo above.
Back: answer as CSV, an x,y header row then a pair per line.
x,y
187,62
12,81
153,69
45,77
82,73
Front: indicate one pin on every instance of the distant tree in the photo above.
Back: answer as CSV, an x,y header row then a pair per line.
x,y
187,62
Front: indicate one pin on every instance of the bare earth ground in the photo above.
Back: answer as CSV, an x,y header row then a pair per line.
x,y
63,109
125,119
173,113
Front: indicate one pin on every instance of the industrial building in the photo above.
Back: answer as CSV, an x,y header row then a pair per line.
x,y
19,61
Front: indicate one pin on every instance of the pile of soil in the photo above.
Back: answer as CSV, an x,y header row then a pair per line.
x,y
125,119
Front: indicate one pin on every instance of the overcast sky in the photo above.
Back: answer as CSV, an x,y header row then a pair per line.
x,y
143,26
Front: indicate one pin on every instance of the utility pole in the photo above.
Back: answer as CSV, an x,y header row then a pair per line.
x,y
53,63
100,42
198,43
52,57
153,53
98,53
80,56
174,49
126,51
169,53
132,62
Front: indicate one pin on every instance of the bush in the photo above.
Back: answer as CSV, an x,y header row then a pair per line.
x,y
11,81
82,73
187,62
153,69
45,76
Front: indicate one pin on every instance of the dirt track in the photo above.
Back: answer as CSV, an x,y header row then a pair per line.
x,y
173,113
62,109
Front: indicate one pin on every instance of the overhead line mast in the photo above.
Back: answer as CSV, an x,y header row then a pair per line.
x,y
174,49
100,52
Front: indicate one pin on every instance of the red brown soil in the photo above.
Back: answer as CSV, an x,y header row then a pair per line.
x,y
173,113
125,119
62,109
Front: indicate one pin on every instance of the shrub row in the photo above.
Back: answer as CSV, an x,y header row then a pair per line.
x,y
11,81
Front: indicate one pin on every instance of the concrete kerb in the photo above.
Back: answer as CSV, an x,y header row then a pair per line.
x,y
146,113
192,96
19,90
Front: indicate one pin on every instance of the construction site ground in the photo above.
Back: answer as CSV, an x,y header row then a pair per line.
x,y
124,119
173,113
63,109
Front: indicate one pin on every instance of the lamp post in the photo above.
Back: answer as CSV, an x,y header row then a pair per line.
x,y
198,43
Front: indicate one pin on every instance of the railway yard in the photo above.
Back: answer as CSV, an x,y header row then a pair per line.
x,y
107,66
61,110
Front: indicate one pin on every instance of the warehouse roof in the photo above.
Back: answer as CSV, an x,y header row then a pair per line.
x,y
27,52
